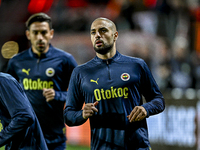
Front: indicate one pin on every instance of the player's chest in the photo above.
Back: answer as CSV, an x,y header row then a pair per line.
x,y
38,69
110,77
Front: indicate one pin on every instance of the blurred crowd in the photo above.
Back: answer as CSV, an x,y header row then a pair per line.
x,y
165,33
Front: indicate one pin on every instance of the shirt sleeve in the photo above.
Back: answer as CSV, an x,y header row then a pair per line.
x,y
16,103
69,65
150,90
60,95
74,104
10,69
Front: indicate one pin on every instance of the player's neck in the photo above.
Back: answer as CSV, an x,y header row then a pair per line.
x,y
107,55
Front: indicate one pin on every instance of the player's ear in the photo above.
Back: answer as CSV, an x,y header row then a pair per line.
x,y
115,36
28,34
51,33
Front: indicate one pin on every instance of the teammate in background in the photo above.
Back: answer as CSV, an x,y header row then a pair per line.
x,y
44,71
19,127
117,82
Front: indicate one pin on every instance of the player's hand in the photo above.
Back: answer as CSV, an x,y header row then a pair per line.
x,y
49,94
137,114
89,110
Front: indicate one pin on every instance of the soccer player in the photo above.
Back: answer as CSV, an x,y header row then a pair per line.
x,y
44,71
112,86
19,127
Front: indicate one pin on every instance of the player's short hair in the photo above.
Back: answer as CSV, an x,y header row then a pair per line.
x,y
108,20
38,17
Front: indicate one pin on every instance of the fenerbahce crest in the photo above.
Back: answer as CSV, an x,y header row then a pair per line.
x,y
50,72
125,76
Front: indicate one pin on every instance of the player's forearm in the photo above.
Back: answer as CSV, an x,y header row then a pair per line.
x,y
60,95
73,118
18,123
155,106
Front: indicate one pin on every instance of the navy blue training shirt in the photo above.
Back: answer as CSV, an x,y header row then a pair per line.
x,y
52,70
118,84
19,127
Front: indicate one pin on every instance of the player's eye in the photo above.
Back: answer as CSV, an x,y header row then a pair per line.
x,y
44,32
35,32
92,32
103,30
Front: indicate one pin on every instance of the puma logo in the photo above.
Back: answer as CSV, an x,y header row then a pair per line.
x,y
26,71
95,81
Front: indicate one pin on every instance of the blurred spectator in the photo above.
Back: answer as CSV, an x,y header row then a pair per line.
x,y
173,18
196,69
129,8
181,74
161,66
147,21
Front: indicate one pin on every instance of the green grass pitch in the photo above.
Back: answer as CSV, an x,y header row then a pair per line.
x,y
69,147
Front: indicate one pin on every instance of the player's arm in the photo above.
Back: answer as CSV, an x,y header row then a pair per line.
x,y
73,113
149,89
51,94
19,109
11,69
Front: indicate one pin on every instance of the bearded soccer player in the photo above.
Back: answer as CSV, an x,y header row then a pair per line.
x,y
44,71
117,82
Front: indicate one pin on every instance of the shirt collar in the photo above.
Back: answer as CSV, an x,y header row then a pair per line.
x,y
114,58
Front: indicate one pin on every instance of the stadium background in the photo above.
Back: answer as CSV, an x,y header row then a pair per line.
x,y
165,33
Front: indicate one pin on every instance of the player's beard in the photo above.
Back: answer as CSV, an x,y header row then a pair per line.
x,y
104,49
41,49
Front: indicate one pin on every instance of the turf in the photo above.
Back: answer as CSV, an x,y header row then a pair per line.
x,y
74,147
69,147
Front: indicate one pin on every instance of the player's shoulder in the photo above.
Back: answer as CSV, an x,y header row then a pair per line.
x,y
91,64
131,59
21,56
67,58
60,53
83,70
24,55
5,77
